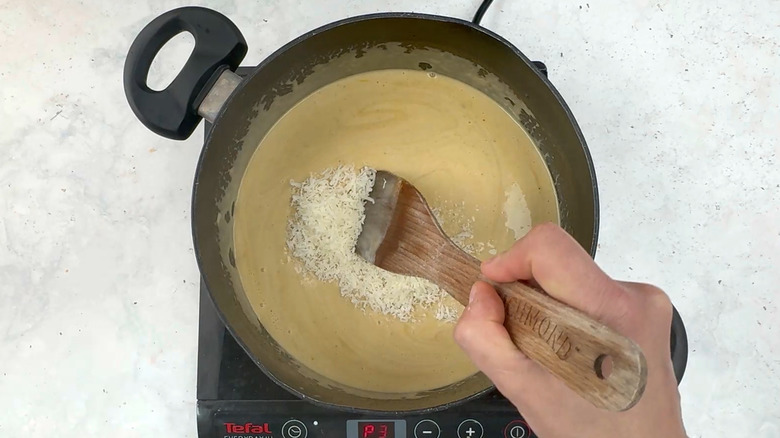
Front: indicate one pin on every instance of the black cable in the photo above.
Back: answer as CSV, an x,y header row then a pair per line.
x,y
481,11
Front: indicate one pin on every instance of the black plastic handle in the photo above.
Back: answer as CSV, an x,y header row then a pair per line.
x,y
173,112
540,66
679,345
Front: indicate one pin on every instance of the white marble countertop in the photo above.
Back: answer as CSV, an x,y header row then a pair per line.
x,y
679,101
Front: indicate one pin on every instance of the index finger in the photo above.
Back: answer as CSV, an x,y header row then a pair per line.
x,y
551,257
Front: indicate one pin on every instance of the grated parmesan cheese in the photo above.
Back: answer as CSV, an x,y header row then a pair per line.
x,y
326,221
462,236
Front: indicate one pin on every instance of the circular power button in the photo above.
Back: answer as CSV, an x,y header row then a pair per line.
x,y
427,429
516,429
294,429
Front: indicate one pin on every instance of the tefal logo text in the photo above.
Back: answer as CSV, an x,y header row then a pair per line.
x,y
247,428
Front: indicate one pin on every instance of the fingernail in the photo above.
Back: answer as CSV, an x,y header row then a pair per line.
x,y
491,260
473,293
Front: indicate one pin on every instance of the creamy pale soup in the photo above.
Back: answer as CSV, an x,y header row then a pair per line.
x,y
468,157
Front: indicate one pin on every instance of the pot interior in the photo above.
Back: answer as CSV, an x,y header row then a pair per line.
x,y
449,47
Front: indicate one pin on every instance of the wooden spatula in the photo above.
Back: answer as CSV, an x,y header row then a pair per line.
x,y
401,235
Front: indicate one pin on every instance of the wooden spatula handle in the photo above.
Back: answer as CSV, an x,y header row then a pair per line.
x,y
601,365
595,361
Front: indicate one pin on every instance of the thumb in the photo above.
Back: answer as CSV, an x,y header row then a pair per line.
x,y
552,258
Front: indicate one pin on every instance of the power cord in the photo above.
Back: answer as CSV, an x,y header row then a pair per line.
x,y
481,11
478,18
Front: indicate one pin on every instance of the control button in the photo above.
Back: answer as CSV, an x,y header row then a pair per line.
x,y
294,429
517,429
427,429
470,429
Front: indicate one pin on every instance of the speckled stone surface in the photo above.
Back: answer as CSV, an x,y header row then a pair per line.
x,y
679,101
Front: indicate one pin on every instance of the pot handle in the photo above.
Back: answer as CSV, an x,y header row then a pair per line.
x,y
541,67
679,345
219,45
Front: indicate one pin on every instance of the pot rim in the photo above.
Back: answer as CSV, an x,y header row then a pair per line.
x,y
271,58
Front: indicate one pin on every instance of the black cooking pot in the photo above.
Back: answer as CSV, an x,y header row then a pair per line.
x,y
243,110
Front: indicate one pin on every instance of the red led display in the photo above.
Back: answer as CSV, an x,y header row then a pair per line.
x,y
376,430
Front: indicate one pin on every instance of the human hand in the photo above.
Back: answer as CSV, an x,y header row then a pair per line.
x,y
642,312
